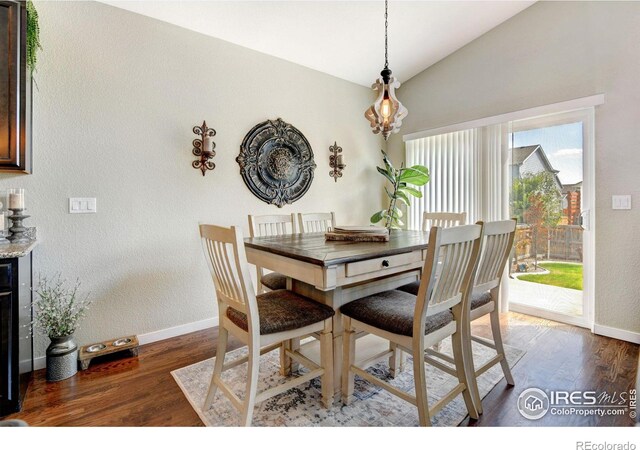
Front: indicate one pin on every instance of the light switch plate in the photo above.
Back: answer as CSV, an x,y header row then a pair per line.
x,y
620,202
82,205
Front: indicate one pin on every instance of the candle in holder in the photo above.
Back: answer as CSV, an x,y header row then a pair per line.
x,y
206,145
339,160
16,198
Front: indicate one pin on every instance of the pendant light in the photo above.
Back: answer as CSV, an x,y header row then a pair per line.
x,y
386,113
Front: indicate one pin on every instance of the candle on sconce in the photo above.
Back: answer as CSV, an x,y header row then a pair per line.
x,y
339,160
207,144
2,224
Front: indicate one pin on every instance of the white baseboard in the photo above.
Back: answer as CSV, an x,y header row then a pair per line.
x,y
617,333
154,336
179,330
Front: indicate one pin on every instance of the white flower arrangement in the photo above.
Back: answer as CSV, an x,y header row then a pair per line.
x,y
58,310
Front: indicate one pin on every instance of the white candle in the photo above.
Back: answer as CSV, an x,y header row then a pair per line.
x,y
16,201
339,160
206,144
2,223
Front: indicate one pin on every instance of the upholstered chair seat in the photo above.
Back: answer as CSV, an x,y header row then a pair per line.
x,y
283,310
393,311
480,299
411,288
274,281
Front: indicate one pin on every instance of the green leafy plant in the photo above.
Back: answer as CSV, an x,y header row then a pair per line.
x,y
33,36
404,182
58,308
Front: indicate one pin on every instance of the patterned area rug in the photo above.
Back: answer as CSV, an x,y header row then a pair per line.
x,y
301,406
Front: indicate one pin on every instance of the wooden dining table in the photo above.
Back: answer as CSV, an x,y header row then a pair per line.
x,y
337,272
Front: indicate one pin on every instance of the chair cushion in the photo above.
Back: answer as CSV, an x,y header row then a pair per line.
x,y
274,280
392,311
283,310
411,288
480,299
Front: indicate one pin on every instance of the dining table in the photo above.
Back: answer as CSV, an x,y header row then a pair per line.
x,y
335,273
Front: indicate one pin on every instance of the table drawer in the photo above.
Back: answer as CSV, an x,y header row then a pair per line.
x,y
380,264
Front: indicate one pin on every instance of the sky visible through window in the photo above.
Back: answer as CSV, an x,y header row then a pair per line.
x,y
563,146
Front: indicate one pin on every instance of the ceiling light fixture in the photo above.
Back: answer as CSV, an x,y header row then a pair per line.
x,y
386,113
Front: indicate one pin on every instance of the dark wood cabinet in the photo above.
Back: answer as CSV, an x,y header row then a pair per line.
x,y
15,89
16,342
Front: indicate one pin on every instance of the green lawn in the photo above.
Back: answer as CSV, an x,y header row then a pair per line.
x,y
562,274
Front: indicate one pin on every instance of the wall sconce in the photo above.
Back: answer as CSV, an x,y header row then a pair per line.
x,y
203,148
335,162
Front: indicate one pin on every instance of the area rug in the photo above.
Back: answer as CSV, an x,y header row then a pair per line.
x,y
301,406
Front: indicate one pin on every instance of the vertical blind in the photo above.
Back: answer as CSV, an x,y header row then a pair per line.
x,y
469,173
454,166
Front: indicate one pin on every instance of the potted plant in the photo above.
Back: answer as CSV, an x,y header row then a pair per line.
x,y
403,182
58,310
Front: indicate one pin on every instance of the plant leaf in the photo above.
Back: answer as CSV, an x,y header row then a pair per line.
x,y
411,191
387,175
387,162
377,217
403,197
391,196
414,176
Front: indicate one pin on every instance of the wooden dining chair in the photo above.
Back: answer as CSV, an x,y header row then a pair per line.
x,y
414,323
497,241
261,322
316,222
271,225
442,219
435,219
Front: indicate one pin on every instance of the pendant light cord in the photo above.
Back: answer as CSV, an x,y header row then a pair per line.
x,y
386,25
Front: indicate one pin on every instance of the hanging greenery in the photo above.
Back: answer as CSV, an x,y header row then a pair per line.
x,y
33,36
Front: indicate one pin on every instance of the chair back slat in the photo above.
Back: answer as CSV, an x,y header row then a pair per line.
x,y
227,261
452,257
316,222
442,219
272,225
497,242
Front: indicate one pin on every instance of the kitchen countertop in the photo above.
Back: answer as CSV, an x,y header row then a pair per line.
x,y
9,250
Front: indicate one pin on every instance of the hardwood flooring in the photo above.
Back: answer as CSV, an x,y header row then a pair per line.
x,y
130,391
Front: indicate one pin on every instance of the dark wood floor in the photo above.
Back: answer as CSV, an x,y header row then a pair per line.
x,y
140,391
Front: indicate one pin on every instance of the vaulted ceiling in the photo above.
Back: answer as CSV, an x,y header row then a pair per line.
x,y
341,38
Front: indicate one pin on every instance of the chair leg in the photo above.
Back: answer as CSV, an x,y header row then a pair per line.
x,y
252,384
285,361
468,379
497,339
295,346
420,379
326,357
348,357
395,360
223,338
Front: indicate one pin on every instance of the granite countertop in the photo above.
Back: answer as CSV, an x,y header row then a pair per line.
x,y
9,250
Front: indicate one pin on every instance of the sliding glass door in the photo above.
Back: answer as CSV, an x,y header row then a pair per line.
x,y
550,195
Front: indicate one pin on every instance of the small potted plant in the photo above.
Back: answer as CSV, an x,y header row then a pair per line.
x,y
58,310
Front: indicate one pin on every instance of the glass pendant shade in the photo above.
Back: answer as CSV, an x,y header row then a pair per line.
x,y
386,113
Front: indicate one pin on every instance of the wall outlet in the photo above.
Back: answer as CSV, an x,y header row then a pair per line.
x,y
620,202
82,205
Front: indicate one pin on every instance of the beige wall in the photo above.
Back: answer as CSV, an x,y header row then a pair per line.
x,y
117,97
555,51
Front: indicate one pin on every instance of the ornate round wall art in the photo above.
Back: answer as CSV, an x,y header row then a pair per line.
x,y
276,162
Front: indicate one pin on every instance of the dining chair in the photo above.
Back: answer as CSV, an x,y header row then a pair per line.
x,y
414,323
497,241
271,225
442,219
435,219
262,322
316,222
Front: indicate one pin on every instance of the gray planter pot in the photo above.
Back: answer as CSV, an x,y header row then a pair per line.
x,y
62,358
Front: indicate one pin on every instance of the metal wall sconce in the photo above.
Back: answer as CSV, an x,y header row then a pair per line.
x,y
203,148
335,162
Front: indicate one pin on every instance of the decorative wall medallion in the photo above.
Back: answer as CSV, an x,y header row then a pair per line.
x,y
276,162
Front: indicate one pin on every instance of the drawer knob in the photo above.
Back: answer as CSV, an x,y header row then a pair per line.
x,y
385,263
